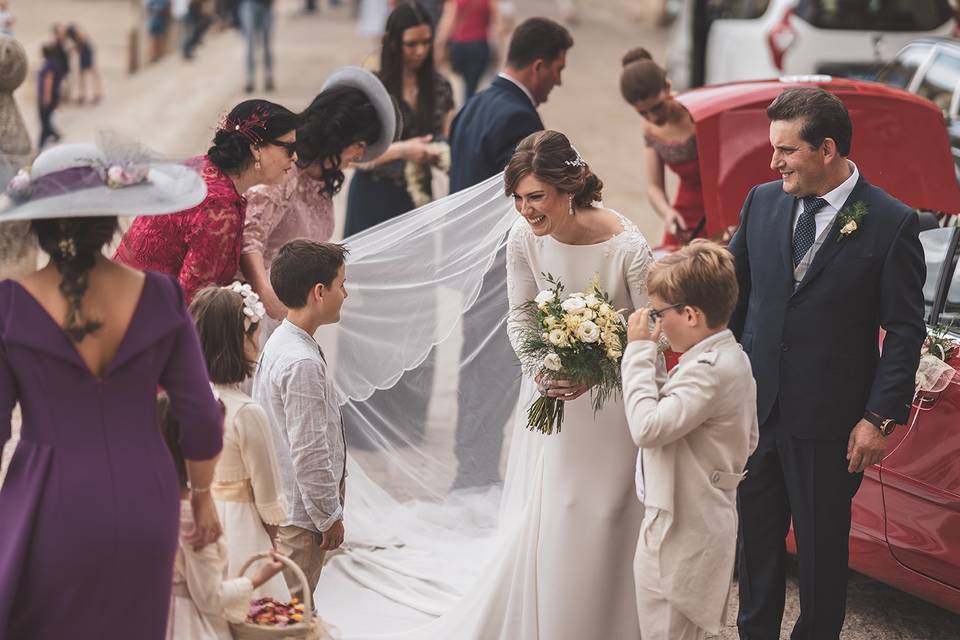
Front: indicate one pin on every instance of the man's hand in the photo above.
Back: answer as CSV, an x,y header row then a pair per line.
x,y
638,327
332,537
865,447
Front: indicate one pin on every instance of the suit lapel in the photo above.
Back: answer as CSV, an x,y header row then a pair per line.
x,y
783,231
831,246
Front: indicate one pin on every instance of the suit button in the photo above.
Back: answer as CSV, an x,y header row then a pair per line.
x,y
791,307
715,477
784,347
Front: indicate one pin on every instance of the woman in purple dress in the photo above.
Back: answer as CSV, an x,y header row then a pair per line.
x,y
90,504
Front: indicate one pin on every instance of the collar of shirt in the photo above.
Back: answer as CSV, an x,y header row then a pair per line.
x,y
835,200
300,333
519,84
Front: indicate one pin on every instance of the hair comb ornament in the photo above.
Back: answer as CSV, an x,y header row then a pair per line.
x,y
253,309
577,161
247,126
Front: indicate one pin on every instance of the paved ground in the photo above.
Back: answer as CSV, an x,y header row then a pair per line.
x,y
174,106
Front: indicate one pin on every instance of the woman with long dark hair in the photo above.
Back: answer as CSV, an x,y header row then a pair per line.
x,y
399,180
201,246
90,505
352,119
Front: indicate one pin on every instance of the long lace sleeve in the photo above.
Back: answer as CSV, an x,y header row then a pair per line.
x,y
263,214
636,275
260,460
215,229
521,283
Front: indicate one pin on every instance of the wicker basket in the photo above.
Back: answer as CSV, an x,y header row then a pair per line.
x,y
310,629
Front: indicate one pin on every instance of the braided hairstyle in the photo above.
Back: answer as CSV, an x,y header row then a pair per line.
x,y
231,149
73,245
336,119
552,159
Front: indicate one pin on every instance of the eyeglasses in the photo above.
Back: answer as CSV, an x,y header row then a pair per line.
x,y
655,314
289,147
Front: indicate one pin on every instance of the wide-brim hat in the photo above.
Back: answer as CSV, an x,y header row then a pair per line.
x,y
86,180
383,104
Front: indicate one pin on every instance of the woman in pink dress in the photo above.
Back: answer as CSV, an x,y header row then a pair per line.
x,y
353,119
201,246
671,141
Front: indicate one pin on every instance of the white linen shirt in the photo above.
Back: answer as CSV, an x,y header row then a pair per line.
x,y
302,405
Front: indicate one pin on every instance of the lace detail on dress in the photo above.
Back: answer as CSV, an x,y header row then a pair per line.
x,y
673,152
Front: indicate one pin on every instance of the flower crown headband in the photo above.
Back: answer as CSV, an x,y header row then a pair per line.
x,y
256,120
253,309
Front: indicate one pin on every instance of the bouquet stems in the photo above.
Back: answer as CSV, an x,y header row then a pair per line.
x,y
545,414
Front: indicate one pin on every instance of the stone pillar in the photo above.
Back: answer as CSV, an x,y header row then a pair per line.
x,y
18,247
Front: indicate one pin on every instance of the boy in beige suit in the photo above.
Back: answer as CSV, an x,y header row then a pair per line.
x,y
695,432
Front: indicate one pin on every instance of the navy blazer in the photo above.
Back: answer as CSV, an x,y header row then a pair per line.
x,y
487,131
816,349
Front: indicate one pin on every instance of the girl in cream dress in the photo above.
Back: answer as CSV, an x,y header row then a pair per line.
x,y
246,487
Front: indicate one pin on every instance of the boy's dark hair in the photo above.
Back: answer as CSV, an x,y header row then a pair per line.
x,y
824,116
170,430
537,39
300,265
218,314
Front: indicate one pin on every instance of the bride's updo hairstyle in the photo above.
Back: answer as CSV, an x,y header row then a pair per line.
x,y
641,78
550,157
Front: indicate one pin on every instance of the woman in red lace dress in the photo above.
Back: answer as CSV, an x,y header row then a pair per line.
x,y
201,246
671,141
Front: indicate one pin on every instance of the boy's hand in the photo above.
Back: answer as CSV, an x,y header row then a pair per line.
x,y
638,327
332,537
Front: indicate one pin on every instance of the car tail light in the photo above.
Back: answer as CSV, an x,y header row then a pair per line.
x,y
781,38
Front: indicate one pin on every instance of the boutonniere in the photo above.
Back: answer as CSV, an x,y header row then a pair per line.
x,y
851,219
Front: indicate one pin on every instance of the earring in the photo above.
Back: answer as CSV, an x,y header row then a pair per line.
x,y
571,206
256,165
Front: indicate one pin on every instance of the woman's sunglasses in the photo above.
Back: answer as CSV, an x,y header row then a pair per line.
x,y
289,147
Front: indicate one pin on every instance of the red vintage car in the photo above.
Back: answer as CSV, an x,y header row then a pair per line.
x,y
906,516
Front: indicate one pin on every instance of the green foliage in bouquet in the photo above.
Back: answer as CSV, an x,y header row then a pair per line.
x,y
579,337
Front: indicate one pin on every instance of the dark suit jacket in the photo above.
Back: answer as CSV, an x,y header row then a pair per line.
x,y
816,349
487,131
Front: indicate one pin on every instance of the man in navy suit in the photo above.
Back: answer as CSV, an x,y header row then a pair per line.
x,y
483,137
824,261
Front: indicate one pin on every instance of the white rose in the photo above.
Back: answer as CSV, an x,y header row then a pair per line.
x,y
588,332
543,298
552,361
558,338
588,314
550,322
604,309
573,304
849,228
592,301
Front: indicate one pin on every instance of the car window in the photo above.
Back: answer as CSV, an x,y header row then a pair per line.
x,y
940,80
936,243
736,9
875,15
901,69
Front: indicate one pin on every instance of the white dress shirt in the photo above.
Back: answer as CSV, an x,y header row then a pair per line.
x,y
522,87
835,201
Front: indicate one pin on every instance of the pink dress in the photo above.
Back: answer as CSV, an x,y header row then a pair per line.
x,y
199,246
277,214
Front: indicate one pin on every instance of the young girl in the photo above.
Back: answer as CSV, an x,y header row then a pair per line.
x,y
246,485
202,599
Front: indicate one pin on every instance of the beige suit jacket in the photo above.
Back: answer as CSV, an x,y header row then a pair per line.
x,y
695,434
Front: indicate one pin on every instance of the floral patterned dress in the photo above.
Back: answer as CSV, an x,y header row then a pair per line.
x,y
199,246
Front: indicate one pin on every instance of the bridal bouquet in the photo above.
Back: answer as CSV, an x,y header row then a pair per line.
x,y
577,336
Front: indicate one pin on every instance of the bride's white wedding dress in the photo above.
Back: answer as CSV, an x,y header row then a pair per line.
x,y
557,563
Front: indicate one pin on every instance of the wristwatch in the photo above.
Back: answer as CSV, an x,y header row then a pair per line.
x,y
885,425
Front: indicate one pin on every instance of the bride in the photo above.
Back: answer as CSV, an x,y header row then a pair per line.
x,y
549,557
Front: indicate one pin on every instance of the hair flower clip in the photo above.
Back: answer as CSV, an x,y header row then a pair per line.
x,y
20,186
253,309
577,161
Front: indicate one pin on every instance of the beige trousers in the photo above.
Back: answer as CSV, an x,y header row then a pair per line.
x,y
303,547
659,619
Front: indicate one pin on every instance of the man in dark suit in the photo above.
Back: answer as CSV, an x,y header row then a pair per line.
x,y
824,261
483,137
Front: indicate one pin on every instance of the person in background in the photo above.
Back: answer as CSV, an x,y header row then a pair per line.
x,y
256,19
48,94
7,18
88,70
158,25
464,30
63,47
671,142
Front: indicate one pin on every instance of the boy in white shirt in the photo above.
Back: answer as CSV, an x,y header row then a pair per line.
x,y
695,432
